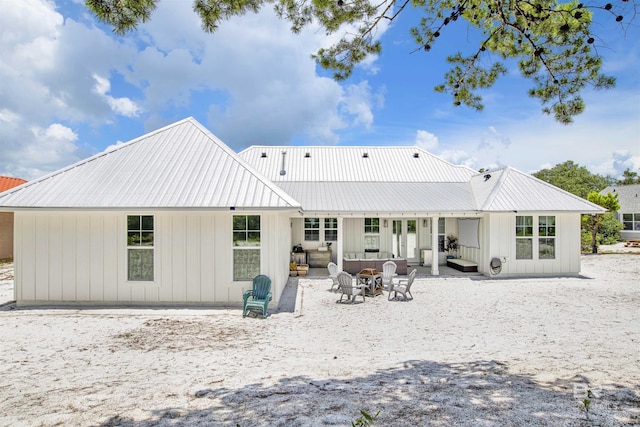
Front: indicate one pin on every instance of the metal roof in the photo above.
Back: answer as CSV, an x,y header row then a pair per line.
x,y
353,164
509,189
628,197
402,179
382,197
182,165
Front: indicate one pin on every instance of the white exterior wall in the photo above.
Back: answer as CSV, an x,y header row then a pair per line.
x,y
82,256
353,238
499,232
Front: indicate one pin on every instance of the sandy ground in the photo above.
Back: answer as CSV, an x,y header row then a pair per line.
x,y
464,351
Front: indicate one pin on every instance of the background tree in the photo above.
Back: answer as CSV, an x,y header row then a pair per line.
x,y
596,229
629,177
553,42
592,223
573,178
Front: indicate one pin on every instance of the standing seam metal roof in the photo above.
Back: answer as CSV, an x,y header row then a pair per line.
x,y
349,164
182,165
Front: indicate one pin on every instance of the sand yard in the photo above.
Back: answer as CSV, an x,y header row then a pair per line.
x,y
465,351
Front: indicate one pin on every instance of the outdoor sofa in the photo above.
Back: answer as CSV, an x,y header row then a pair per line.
x,y
353,263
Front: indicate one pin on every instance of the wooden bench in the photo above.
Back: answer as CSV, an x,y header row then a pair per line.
x,y
462,265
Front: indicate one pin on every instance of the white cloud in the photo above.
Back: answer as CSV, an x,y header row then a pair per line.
x,y
29,152
8,116
534,141
123,106
359,101
254,77
492,138
617,163
426,140
460,157
46,69
114,146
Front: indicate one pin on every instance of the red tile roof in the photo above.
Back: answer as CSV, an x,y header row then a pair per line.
x,y
7,182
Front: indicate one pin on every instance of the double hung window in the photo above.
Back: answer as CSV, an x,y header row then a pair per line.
x,y
312,229
524,237
547,237
140,247
246,247
371,234
331,229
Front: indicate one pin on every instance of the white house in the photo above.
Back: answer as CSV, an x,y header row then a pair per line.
x,y
629,213
176,217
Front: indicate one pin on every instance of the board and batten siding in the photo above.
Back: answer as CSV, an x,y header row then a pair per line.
x,y
499,232
81,256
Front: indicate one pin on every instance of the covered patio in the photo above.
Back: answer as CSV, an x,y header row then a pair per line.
x,y
320,273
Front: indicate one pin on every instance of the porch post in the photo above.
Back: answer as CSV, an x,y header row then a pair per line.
x,y
434,246
340,246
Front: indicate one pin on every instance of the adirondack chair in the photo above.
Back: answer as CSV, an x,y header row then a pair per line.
x,y
258,298
388,273
333,274
403,287
348,288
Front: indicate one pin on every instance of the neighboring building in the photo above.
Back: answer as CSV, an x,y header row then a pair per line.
x,y
6,219
629,213
176,217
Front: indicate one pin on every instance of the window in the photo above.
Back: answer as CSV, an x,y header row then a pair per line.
x,y
312,229
371,234
140,247
246,247
372,225
547,237
441,234
331,229
524,237
631,221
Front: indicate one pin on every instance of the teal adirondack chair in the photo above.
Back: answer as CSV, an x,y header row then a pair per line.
x,y
258,298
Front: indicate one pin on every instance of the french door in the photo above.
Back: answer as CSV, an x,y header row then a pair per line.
x,y
405,239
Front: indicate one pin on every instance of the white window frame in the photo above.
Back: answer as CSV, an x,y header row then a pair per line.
x,y
547,233
141,246
245,245
328,226
633,222
372,234
312,226
523,234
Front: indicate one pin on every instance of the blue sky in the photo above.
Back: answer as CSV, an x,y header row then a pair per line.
x,y
70,88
